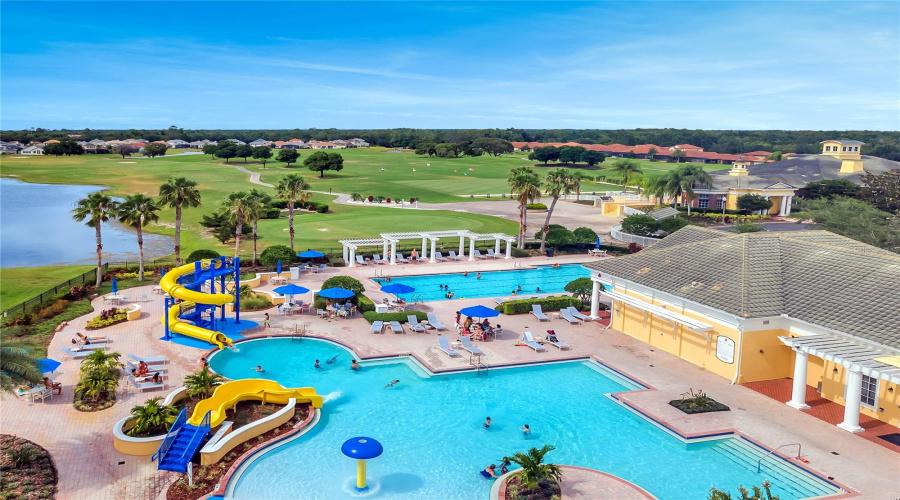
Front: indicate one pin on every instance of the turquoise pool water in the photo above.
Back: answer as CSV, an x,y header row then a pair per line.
x,y
494,283
435,445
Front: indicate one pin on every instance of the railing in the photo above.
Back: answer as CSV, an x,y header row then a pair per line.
x,y
170,436
51,292
759,462
616,233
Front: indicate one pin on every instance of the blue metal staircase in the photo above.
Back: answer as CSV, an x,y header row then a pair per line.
x,y
181,444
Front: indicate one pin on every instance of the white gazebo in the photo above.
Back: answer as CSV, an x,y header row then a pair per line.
x,y
388,243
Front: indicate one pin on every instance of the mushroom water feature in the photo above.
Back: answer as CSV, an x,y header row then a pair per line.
x,y
361,449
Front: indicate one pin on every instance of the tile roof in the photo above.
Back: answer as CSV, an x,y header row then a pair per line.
x,y
799,170
814,276
844,142
663,213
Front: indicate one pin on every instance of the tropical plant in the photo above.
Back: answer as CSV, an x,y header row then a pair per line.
x,y
524,184
277,253
258,204
716,494
202,382
17,367
101,361
292,188
152,417
534,472
627,169
747,226
95,209
179,192
22,455
236,207
359,197
137,211
639,225
557,183
96,383
582,289
685,178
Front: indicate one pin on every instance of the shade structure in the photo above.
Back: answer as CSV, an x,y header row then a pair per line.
x,y
291,289
115,286
48,365
336,293
479,312
396,288
310,254
363,448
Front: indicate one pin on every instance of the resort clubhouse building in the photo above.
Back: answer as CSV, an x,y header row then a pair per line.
x,y
809,305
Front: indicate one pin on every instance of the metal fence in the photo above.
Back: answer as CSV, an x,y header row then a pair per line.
x,y
87,277
616,233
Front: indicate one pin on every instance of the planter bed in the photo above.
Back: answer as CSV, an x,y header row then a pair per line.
x,y
29,481
688,406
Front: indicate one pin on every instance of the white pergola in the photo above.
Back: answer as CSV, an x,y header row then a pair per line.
x,y
648,308
388,243
857,357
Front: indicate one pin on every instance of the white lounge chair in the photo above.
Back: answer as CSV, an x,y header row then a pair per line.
x,y
538,312
567,315
396,327
413,323
439,257
376,258
131,365
454,256
377,327
478,254
467,345
499,300
361,261
492,254
150,360
444,345
142,386
553,340
432,320
528,339
575,314
400,258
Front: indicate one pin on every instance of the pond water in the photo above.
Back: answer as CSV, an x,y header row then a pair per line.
x,y
36,229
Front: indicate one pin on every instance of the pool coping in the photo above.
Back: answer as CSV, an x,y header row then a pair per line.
x,y
619,397
498,490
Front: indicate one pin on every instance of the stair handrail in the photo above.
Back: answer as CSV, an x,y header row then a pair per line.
x,y
196,439
759,462
170,435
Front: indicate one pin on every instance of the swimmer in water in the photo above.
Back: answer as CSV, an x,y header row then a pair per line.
x,y
317,364
525,429
392,384
332,360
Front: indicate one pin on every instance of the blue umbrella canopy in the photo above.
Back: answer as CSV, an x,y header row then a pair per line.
x,y
291,289
48,365
310,254
396,288
479,312
362,448
115,286
278,267
598,242
336,293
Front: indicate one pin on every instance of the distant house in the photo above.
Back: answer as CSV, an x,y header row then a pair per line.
x,y
98,142
358,143
259,142
289,145
177,143
32,150
686,147
93,149
325,145
74,136
10,148
236,141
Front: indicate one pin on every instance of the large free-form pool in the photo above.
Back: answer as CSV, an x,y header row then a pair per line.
x,y
542,279
434,443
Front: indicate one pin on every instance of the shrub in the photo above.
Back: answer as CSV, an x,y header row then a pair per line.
x,y
372,316
202,254
536,206
634,248
519,253
23,455
275,253
639,225
271,213
752,202
581,288
672,224
346,282
370,198
585,236
746,226
388,200
255,302
322,209
364,304
107,317
558,237
548,304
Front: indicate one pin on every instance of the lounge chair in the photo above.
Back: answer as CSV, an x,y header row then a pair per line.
x,y
376,258
567,315
478,254
321,268
413,323
432,320
142,386
444,345
150,360
361,261
400,258
538,312
454,256
396,327
499,300
575,314
76,354
528,339
492,254
377,327
322,313
554,341
439,257
133,365
467,345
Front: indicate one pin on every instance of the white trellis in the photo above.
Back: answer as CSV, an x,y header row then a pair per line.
x,y
388,243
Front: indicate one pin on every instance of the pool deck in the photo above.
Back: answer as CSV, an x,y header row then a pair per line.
x,y
89,467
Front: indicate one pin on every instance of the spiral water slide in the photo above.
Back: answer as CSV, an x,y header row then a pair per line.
x,y
169,284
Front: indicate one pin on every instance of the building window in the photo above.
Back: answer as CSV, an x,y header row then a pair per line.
x,y
703,201
855,148
827,148
869,395
720,202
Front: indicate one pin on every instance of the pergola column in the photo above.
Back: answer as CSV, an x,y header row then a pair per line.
x,y
352,261
595,299
798,391
471,248
783,209
508,249
497,246
462,246
431,255
394,252
424,248
346,253
852,401
384,252
790,199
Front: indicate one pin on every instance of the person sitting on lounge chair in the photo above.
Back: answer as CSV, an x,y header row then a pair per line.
x,y
551,336
156,379
49,384
143,369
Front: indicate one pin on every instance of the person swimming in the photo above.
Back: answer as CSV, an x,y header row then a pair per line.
x,y
318,365
525,429
392,384
332,360
489,472
354,365
487,423
258,369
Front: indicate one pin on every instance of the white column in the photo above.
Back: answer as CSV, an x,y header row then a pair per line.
x,y
393,253
783,203
595,300
766,212
497,246
852,401
431,255
352,261
790,199
424,248
508,249
798,392
346,254
471,248
384,252
462,247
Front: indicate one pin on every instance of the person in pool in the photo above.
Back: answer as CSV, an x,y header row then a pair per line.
x,y
332,360
525,429
354,365
258,369
487,423
489,472
478,276
465,273
392,384
317,364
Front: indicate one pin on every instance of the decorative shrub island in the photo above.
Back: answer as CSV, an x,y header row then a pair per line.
x,y
697,402
96,389
26,470
108,317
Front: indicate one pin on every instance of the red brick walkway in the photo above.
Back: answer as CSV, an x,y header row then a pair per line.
x,y
833,413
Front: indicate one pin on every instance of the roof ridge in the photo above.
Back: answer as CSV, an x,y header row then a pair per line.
x,y
867,249
745,263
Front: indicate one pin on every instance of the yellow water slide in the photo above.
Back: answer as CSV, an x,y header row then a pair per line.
x,y
229,394
169,284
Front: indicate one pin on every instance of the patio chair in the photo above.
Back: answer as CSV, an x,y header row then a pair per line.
x,y
499,300
467,345
528,339
575,314
554,341
439,257
478,254
453,255
321,268
377,327
538,312
361,261
413,323
322,313
376,258
432,320
492,254
396,327
444,345
400,258
143,386
567,315
143,297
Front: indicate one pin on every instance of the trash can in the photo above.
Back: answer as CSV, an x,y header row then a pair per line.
x,y
550,252
381,308
295,273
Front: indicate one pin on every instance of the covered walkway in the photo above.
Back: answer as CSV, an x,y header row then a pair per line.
x,y
388,244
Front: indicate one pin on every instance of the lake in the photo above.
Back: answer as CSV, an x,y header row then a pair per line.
x,y
36,229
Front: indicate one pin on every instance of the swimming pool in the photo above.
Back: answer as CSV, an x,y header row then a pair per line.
x,y
434,444
493,283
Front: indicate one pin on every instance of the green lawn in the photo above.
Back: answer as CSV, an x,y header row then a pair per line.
x,y
19,284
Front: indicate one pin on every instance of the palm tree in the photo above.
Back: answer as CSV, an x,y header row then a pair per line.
x,y
96,209
176,193
95,383
686,177
202,382
627,169
533,471
236,207
577,176
258,202
656,186
152,417
558,182
525,184
292,188
101,361
137,211
17,367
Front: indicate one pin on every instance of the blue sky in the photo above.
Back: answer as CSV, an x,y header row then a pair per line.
x,y
743,65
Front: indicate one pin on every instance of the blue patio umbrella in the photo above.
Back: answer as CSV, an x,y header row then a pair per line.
x,y
278,267
48,365
310,254
115,286
291,290
396,288
479,312
336,293
598,242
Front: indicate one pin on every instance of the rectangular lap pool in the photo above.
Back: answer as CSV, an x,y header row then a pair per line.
x,y
542,279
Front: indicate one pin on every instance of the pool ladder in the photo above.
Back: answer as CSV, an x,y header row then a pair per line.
x,y
767,455
480,366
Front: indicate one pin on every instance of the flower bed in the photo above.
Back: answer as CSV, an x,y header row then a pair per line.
x,y
545,490
698,402
26,470
108,317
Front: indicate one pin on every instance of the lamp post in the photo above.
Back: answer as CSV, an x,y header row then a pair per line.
x,y
362,449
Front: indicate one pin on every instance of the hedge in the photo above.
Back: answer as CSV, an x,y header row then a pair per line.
x,y
549,304
705,210
364,304
202,255
536,206
372,316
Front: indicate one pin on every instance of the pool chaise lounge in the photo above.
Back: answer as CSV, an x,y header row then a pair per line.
x,y
444,345
376,258
479,255
454,256
400,258
438,256
559,344
575,314
143,386
432,320
361,261
377,327
396,327
413,323
528,339
467,345
150,360
539,313
567,315
492,254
